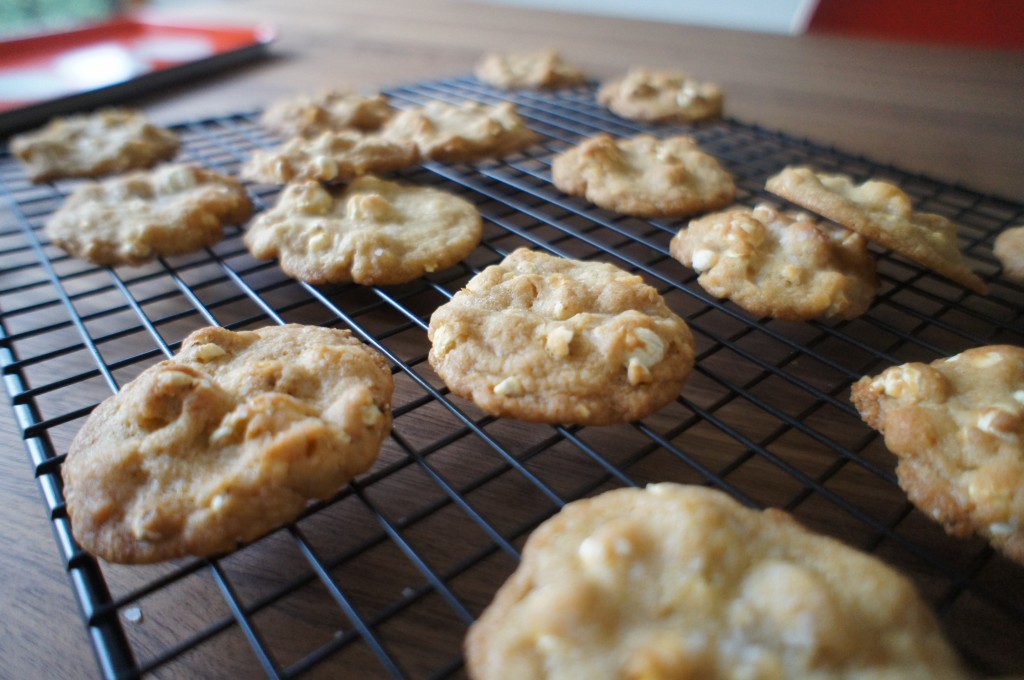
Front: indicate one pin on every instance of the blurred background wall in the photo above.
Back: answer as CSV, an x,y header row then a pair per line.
x,y
774,16
980,23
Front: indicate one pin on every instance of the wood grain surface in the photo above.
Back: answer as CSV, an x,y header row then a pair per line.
x,y
954,114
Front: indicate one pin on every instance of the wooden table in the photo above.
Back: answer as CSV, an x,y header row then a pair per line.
x,y
954,114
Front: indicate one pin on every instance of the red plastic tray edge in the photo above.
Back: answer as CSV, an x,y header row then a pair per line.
x,y
249,42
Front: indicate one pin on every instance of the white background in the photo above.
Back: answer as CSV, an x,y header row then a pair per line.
x,y
774,16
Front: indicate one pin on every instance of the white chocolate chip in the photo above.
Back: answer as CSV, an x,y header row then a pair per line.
x,y
637,372
596,554
988,490
319,241
217,502
997,422
985,421
988,360
207,219
509,387
315,200
443,341
220,434
1002,528
176,379
180,178
892,384
687,93
792,274
640,360
703,259
559,341
229,425
548,644
754,232
208,351
851,238
616,548
325,166
371,415
368,207
664,153
904,380
141,530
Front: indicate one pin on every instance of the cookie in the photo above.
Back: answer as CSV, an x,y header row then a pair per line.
x,y
676,581
331,156
372,232
644,176
540,69
224,442
780,265
882,212
1009,249
957,427
328,111
138,217
106,142
553,340
661,97
461,134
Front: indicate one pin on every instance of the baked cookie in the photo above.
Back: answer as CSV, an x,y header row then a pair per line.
x,y
328,157
461,134
106,142
136,218
678,581
957,427
226,441
540,69
782,265
552,340
327,111
882,212
374,232
661,96
1009,249
644,175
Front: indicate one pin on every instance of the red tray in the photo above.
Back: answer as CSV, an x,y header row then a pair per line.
x,y
44,75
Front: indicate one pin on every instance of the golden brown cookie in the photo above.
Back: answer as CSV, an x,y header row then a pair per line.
x,y
644,175
553,340
331,156
328,111
783,265
106,142
1009,248
539,69
135,218
661,96
226,441
882,212
678,581
461,134
373,232
957,426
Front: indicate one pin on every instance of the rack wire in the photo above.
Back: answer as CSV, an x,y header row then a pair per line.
x,y
384,579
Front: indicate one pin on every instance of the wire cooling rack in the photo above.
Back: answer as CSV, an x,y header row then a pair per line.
x,y
384,579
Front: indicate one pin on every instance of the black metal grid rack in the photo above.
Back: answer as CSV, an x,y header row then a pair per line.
x,y
383,580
